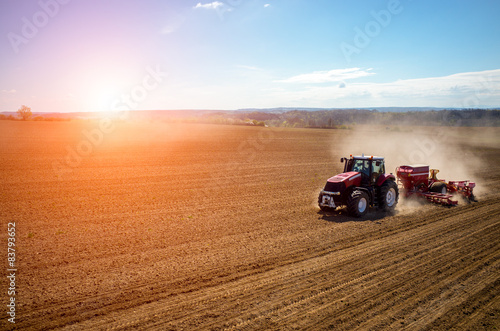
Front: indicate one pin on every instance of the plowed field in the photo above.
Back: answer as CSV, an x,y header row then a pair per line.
x,y
188,226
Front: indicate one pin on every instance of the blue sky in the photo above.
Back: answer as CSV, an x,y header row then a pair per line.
x,y
61,55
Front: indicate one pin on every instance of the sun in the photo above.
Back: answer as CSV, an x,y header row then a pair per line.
x,y
104,96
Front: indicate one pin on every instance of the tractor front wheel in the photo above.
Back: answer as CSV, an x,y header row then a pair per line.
x,y
357,203
389,195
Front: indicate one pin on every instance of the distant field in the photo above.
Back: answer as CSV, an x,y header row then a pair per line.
x,y
192,226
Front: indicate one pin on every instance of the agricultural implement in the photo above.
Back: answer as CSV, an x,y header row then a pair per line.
x,y
420,181
365,184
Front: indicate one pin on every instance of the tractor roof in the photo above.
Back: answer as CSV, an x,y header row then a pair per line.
x,y
363,157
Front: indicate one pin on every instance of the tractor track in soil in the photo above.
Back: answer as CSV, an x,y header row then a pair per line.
x,y
146,258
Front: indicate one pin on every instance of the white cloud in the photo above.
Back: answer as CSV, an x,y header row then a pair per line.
x,y
266,5
212,5
9,91
335,75
462,90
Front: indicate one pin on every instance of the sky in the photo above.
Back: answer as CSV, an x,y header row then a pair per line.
x,y
76,55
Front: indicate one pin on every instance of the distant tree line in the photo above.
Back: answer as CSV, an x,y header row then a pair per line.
x,y
4,117
328,119
344,118
24,113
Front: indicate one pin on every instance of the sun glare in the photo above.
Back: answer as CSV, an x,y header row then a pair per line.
x,y
103,96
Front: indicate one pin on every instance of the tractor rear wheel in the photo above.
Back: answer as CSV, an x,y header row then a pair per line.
x,y
389,195
357,203
438,187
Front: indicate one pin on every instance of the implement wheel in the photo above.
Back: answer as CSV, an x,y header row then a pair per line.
x,y
438,187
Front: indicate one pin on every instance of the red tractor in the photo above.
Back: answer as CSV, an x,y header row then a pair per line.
x,y
363,183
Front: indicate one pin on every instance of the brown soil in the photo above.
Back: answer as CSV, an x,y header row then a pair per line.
x,y
170,227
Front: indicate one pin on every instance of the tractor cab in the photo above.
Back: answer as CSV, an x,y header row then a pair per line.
x,y
370,167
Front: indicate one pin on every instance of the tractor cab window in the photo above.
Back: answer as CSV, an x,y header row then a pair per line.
x,y
377,170
378,167
362,166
